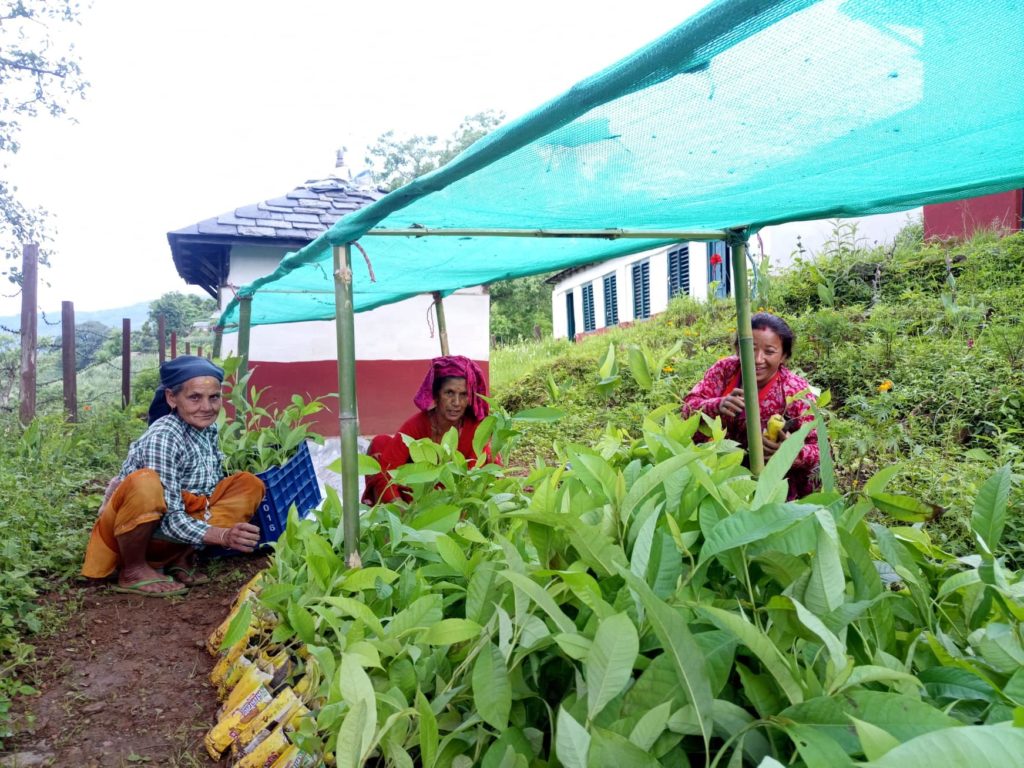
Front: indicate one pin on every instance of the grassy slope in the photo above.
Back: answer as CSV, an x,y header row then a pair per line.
x,y
940,322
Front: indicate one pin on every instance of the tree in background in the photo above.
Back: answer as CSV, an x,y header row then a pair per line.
x,y
396,161
519,308
180,311
38,74
90,337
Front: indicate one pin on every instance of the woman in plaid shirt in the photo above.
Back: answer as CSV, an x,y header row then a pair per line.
x,y
171,497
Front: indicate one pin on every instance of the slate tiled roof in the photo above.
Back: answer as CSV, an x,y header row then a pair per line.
x,y
201,251
303,213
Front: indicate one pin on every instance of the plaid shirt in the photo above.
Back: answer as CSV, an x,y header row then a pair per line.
x,y
186,459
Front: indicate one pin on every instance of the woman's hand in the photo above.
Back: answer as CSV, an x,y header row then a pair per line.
x,y
732,405
242,537
770,447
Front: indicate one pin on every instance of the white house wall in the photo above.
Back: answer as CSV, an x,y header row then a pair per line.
x,y
622,267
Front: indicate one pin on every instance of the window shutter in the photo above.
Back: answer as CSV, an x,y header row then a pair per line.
x,y
611,301
588,307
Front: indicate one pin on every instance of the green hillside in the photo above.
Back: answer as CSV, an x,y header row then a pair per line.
x,y
941,322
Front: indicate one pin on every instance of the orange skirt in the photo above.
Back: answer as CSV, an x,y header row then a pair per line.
x,y
139,499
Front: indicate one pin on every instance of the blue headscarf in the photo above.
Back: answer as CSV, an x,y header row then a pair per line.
x,y
178,371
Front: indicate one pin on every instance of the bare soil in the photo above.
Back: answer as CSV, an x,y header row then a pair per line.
x,y
125,681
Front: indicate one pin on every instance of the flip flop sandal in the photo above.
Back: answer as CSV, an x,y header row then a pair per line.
x,y
136,588
192,577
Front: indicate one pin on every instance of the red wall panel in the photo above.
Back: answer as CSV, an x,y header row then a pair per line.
x,y
384,390
961,218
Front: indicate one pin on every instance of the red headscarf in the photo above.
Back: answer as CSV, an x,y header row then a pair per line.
x,y
458,366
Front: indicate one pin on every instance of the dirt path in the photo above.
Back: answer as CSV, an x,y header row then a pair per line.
x,y
125,683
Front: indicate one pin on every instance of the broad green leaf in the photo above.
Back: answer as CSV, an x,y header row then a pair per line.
x,y
878,481
427,731
492,690
423,612
609,665
679,644
367,465
651,480
541,597
958,581
442,518
585,587
639,367
945,684
870,673
481,594
357,610
761,646
836,649
980,745
324,562
452,554
989,516
1001,648
572,742
349,750
816,748
357,691
640,558
651,726
302,622
874,741
595,548
826,465
748,526
610,750
574,646
902,716
772,480
237,628
358,579
827,586
451,631
907,509
541,414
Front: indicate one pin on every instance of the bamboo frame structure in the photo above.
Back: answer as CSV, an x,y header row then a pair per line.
x,y
442,326
344,316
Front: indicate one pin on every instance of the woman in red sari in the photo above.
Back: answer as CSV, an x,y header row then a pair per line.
x,y
448,398
719,393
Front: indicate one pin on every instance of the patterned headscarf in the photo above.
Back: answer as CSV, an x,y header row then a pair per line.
x,y
461,367
178,371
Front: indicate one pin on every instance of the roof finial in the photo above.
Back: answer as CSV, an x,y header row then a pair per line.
x,y
339,158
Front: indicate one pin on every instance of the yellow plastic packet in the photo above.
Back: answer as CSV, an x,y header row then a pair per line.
x,y
293,757
250,588
227,729
267,751
251,679
223,666
277,711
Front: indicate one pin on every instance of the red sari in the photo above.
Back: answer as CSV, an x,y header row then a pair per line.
x,y
724,376
391,452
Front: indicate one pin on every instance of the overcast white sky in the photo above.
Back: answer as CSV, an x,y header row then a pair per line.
x,y
197,107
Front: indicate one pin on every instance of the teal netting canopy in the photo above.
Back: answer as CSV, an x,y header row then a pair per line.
x,y
753,112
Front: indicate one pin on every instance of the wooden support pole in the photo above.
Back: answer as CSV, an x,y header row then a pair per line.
x,y
161,335
126,362
68,361
748,374
29,330
218,340
174,344
188,348
244,327
442,327
344,318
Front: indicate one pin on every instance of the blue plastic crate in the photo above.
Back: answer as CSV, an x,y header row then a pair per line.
x,y
294,482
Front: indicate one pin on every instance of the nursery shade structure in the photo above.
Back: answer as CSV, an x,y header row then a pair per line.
x,y
752,112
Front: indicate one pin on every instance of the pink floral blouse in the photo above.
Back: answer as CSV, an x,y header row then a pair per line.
x,y
722,377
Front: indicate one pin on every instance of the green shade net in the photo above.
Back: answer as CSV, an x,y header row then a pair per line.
x,y
750,113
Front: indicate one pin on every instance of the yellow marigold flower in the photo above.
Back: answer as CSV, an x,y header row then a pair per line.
x,y
668,369
885,386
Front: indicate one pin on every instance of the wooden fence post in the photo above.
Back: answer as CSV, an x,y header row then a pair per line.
x,y
188,347
174,344
68,360
126,361
29,330
161,333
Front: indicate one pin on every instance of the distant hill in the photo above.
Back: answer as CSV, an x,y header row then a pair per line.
x,y
51,324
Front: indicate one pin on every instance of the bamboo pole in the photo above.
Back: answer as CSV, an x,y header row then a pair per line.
x,y
442,327
29,330
748,375
126,361
244,326
161,334
218,340
598,234
67,354
348,421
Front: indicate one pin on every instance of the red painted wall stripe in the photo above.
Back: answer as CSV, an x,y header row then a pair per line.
x,y
384,390
960,218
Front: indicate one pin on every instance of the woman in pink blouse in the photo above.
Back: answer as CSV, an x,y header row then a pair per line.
x,y
719,393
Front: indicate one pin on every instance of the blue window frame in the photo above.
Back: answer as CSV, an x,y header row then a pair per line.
x,y
589,324
641,289
679,271
611,300
570,316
